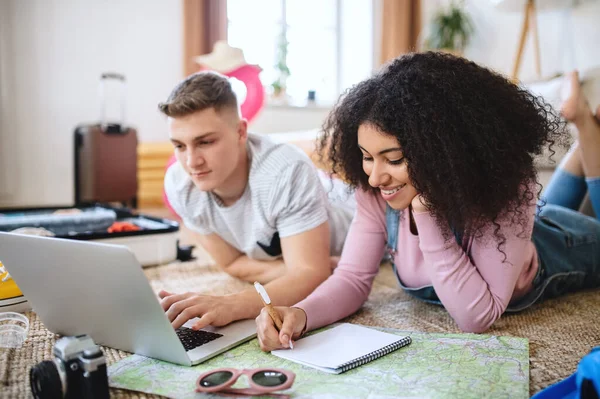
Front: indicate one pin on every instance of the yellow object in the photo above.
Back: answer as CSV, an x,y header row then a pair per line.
x,y
8,287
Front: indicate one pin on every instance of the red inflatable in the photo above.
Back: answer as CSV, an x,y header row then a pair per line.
x,y
255,92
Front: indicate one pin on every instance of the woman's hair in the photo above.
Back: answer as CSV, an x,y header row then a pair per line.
x,y
468,135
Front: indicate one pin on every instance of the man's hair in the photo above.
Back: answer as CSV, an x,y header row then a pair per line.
x,y
198,92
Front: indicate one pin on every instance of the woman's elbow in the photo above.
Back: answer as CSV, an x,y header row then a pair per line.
x,y
477,324
475,328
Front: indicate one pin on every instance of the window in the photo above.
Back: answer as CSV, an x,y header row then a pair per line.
x,y
329,42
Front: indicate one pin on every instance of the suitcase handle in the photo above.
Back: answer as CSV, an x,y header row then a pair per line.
x,y
117,128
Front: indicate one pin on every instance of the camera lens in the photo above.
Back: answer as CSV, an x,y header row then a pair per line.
x,y
45,381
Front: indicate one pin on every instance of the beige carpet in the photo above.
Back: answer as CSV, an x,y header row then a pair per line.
x,y
560,331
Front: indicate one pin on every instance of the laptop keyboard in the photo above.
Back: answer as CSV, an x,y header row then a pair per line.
x,y
192,339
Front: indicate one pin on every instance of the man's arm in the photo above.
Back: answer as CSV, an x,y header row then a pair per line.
x,y
236,264
308,265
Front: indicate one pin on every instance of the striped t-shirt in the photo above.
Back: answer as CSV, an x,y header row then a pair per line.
x,y
284,196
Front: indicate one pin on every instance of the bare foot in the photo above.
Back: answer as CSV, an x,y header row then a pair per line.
x,y
574,103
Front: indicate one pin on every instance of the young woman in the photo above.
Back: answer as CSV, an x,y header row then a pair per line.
x,y
441,152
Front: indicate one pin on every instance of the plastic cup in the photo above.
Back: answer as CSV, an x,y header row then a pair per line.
x,y
13,329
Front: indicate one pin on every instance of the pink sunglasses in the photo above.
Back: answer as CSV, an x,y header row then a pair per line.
x,y
263,380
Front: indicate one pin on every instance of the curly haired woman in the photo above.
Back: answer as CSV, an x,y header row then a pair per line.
x,y
441,152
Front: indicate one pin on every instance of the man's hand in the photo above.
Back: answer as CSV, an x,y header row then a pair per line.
x,y
212,310
308,265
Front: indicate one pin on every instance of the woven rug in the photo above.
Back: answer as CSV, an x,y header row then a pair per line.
x,y
560,331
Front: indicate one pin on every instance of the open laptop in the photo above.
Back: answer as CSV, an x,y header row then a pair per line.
x,y
79,287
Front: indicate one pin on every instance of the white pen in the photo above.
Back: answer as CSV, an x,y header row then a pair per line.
x,y
264,297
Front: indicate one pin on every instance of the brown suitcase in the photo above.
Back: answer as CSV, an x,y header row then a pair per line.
x,y
106,158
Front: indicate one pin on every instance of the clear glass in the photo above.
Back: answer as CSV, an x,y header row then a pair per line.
x,y
13,329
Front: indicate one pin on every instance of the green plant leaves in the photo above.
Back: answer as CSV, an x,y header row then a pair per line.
x,y
450,29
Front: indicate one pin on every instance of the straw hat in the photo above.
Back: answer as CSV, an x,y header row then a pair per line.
x,y
223,58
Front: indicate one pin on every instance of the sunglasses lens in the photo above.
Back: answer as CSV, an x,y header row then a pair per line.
x,y
216,379
269,378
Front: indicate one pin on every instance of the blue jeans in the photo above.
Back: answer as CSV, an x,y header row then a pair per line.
x,y
567,243
568,190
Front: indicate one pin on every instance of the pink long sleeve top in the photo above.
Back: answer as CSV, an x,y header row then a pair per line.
x,y
475,286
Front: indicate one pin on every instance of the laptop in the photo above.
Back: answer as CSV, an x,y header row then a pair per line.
x,y
78,287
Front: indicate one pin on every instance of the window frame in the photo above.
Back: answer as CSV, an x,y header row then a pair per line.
x,y
338,49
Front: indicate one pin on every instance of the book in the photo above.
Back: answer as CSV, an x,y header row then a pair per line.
x,y
342,348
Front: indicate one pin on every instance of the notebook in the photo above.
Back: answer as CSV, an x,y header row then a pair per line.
x,y
342,348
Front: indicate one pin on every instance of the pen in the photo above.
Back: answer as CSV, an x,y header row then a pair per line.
x,y
264,297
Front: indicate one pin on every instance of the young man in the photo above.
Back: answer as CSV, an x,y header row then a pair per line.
x,y
258,208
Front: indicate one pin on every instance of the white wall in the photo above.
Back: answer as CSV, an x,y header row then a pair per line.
x,y
51,55
53,52
6,178
569,37
275,119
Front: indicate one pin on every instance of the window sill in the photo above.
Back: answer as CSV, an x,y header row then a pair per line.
x,y
299,105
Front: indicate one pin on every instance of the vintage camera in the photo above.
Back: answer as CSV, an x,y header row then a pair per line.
x,y
77,371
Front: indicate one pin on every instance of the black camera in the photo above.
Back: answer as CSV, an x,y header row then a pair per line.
x,y
77,371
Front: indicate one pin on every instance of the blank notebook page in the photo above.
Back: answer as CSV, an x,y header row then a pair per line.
x,y
340,345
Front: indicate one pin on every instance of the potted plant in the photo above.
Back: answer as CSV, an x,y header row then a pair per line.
x,y
279,85
450,30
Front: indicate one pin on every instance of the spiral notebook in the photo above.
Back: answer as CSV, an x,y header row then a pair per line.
x,y
342,348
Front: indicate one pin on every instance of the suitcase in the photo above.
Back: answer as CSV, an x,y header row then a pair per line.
x,y
105,155
154,242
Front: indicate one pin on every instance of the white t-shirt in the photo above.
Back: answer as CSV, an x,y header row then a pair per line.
x,y
284,197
